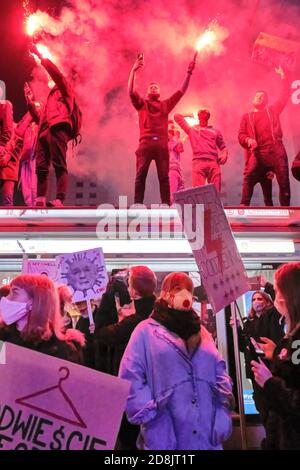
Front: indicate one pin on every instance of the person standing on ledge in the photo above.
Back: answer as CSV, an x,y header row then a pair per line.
x,y
153,122
209,149
260,134
55,131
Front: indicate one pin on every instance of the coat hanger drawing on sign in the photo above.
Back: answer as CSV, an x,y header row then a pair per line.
x,y
25,401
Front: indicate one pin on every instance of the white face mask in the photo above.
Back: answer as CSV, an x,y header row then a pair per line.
x,y
182,300
14,312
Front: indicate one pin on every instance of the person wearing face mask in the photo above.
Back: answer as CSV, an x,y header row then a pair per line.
x,y
153,122
263,323
180,392
280,382
30,317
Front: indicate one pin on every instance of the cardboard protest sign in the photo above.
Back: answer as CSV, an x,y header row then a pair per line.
x,y
41,266
51,404
220,265
84,272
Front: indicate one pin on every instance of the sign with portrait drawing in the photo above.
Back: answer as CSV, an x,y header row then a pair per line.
x,y
84,273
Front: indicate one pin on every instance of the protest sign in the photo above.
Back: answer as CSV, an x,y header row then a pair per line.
x,y
220,265
84,272
51,404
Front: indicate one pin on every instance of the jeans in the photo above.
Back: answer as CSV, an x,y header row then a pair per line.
x,y
206,170
272,158
176,179
148,151
52,148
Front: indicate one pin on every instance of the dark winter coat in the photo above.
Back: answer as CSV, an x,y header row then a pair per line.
x,y
268,325
70,350
283,394
117,335
83,325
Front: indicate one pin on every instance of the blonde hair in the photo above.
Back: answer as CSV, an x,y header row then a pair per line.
x,y
44,319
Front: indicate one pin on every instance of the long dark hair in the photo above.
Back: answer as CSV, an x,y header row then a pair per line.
x,y
287,278
268,300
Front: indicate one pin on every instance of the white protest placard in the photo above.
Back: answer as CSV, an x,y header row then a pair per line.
x,y
42,267
220,265
84,272
51,404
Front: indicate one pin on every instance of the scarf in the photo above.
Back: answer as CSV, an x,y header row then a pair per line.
x,y
184,323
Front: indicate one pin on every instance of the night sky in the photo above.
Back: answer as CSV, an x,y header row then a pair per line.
x,y
16,65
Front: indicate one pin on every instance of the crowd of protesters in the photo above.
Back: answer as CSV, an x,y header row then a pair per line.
x,y
181,394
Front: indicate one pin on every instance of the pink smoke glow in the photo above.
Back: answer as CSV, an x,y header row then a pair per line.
x,y
96,43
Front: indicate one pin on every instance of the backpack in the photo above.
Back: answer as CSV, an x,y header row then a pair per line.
x,y
76,118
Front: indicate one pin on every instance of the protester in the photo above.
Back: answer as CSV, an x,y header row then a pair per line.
x,y
141,287
56,129
209,149
281,382
65,300
263,321
180,392
153,122
30,318
260,134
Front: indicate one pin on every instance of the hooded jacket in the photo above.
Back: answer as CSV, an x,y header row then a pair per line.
x,y
60,101
180,400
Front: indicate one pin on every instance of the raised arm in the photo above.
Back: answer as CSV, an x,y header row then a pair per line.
x,y
282,101
180,119
32,108
134,96
186,82
54,73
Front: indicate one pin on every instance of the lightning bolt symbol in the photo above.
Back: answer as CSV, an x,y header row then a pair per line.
x,y
210,244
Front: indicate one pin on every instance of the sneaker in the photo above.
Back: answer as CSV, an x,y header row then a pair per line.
x,y
55,203
40,201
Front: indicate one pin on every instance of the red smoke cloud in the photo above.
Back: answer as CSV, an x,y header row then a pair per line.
x,y
96,44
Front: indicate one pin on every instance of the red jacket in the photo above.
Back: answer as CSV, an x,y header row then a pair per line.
x,y
247,128
14,148
6,122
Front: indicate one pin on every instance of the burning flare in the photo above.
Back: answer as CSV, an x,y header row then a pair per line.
x,y
33,24
206,40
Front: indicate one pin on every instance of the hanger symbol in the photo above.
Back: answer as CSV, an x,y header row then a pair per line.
x,y
37,405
